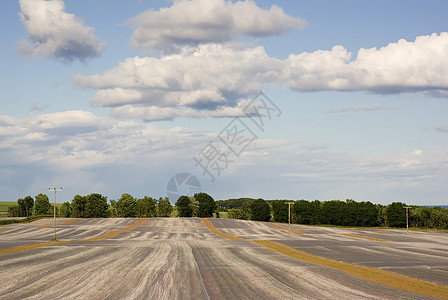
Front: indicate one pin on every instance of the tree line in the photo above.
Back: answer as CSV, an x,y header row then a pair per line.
x,y
333,212
26,207
93,206
96,206
336,212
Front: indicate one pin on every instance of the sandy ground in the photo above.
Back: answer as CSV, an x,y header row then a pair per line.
x,y
174,258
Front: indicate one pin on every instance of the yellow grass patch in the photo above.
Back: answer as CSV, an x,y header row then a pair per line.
x,y
363,237
45,226
391,279
71,221
216,231
108,235
65,223
136,224
281,227
28,247
2,228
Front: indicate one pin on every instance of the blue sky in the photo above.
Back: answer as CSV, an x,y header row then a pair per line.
x,y
119,96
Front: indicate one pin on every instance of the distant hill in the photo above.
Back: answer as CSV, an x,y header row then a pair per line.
x,y
442,206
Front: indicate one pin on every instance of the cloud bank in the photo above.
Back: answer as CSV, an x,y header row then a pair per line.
x,y
55,33
86,152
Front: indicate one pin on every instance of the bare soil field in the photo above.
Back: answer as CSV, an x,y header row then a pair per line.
x,y
190,258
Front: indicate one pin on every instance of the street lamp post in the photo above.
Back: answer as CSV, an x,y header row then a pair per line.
x,y
54,211
289,216
407,218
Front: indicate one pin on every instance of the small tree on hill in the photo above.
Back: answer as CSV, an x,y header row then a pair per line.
x,y
183,207
146,207
164,207
126,206
260,210
96,206
79,206
21,210
66,210
42,205
396,214
207,205
280,210
194,206
29,204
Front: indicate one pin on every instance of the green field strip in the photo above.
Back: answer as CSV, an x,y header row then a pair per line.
x,y
387,278
107,235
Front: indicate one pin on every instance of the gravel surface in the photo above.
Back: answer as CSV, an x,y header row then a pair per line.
x,y
176,258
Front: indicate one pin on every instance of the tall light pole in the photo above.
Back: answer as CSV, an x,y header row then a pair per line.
x,y
289,216
407,218
54,210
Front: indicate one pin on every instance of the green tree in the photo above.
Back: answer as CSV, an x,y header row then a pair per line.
x,y
164,207
113,211
126,206
368,213
66,210
29,204
260,210
438,218
333,212
79,206
21,210
382,215
305,212
396,214
234,213
280,211
207,205
13,211
183,207
146,207
96,206
194,206
42,205
246,211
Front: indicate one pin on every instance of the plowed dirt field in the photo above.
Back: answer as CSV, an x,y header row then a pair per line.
x,y
192,258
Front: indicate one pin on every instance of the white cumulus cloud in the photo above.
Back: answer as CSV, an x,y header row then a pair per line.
x,y
192,22
403,66
210,79
55,33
